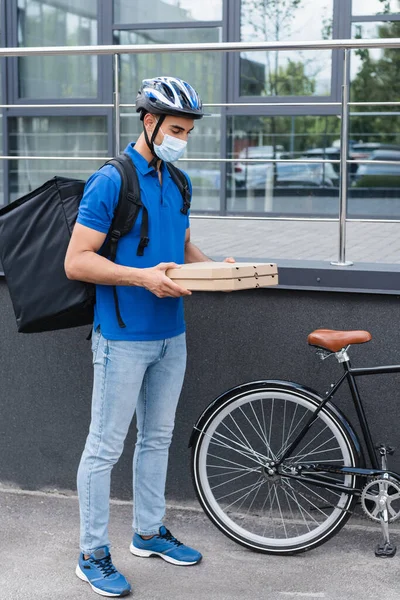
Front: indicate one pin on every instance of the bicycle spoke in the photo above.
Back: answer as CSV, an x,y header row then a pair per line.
x,y
228,469
252,457
280,511
225,459
252,485
319,452
229,481
262,432
314,492
271,418
312,504
231,472
270,510
252,502
298,506
294,522
301,508
284,423
246,495
315,449
239,443
251,424
282,450
312,440
292,421
240,431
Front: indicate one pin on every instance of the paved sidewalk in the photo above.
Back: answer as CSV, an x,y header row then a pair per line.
x,y
366,242
39,534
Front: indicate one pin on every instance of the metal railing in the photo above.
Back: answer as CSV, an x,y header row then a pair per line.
x,y
117,50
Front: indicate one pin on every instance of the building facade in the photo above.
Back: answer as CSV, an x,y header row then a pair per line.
x,y
61,106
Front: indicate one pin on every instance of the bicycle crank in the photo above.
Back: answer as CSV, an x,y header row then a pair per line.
x,y
378,494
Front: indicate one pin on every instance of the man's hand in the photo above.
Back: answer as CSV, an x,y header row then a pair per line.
x,y
156,281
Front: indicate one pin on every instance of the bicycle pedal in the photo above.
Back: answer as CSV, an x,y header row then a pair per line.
x,y
385,550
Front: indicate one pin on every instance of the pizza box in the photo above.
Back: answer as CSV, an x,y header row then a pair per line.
x,y
224,277
227,285
222,270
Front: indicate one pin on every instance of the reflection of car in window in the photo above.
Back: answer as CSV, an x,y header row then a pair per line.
x,y
283,174
246,174
333,154
378,175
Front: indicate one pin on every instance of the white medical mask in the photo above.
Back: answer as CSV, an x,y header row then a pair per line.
x,y
171,148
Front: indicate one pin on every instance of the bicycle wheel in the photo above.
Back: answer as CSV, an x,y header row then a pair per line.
x,y
278,514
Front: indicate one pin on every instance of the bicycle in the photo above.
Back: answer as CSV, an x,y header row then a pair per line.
x,y
279,469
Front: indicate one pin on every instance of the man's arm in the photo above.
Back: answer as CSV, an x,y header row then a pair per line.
x,y
194,254
84,264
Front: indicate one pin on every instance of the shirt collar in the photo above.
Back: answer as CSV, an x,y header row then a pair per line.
x,y
141,163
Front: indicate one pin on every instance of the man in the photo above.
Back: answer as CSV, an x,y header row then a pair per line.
x,y
139,367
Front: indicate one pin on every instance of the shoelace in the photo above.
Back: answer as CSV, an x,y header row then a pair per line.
x,y
170,538
105,565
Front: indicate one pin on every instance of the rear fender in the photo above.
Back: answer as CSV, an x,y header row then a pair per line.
x,y
271,384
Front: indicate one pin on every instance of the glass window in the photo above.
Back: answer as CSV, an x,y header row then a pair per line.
x,y
291,188
375,69
166,11
57,23
2,199
202,70
54,136
204,142
374,78
375,7
305,73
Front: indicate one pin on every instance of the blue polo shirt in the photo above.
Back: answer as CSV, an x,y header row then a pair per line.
x,y
146,316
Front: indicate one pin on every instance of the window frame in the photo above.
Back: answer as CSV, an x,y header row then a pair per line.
x,y
13,79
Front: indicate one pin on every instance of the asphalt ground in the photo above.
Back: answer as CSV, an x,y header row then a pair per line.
x,y
39,550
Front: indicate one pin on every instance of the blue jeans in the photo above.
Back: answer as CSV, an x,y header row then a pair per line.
x,y
146,377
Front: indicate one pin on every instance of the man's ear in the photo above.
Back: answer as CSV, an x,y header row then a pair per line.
x,y
149,121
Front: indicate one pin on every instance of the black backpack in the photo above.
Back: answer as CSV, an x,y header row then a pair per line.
x,y
35,231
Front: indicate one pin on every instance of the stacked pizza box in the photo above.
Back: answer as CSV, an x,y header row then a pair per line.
x,y
224,277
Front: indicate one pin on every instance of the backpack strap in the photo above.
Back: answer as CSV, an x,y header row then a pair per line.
x,y
180,180
125,216
128,207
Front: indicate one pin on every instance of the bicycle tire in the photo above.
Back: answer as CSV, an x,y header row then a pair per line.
x,y
241,526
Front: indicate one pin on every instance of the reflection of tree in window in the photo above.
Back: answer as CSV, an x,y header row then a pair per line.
x,y
377,80
274,20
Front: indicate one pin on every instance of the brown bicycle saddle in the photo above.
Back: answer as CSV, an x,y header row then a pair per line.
x,y
333,340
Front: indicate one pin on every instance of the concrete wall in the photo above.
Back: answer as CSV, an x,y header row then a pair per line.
x,y
45,379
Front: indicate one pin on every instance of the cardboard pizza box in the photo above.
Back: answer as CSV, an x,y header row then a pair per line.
x,y
222,270
224,277
227,285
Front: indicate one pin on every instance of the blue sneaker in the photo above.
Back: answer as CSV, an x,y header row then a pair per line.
x,y
101,574
165,545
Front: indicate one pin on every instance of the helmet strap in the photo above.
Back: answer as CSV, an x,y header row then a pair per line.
x,y
150,143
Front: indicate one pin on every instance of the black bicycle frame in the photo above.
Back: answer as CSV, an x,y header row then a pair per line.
x,y
350,374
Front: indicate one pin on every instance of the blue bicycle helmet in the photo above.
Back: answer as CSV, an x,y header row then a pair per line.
x,y
168,96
